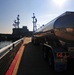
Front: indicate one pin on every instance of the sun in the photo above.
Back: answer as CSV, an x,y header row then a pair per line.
x,y
59,2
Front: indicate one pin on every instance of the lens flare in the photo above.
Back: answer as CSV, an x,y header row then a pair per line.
x,y
59,2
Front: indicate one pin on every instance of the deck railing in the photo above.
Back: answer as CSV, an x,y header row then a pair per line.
x,y
6,49
7,55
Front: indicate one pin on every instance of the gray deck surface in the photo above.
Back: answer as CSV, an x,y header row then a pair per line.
x,y
32,63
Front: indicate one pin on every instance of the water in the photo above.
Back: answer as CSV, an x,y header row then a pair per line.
x,y
4,43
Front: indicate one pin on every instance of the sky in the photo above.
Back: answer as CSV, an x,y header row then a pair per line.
x,y
45,11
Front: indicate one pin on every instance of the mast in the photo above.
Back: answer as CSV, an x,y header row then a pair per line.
x,y
16,23
34,22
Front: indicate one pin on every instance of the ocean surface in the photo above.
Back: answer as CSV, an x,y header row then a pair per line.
x,y
4,43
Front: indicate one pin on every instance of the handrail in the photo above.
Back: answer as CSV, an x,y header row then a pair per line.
x,y
6,49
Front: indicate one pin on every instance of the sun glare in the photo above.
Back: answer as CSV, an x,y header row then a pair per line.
x,y
59,2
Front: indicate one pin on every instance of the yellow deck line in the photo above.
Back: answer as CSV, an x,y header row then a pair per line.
x,y
26,40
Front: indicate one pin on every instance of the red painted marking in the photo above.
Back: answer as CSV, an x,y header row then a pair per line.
x,y
12,66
